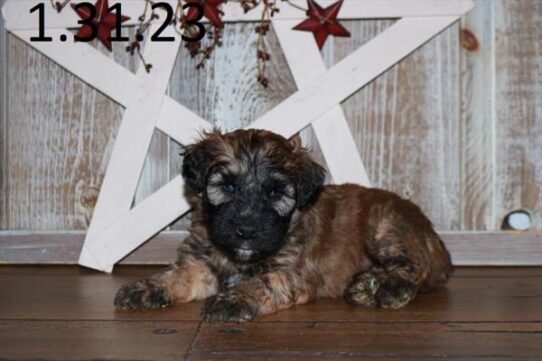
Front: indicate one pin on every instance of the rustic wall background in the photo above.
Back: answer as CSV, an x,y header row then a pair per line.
x,y
456,126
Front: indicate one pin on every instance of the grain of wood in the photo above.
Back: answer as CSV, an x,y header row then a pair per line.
x,y
64,248
59,139
226,92
3,122
495,248
73,295
138,271
56,340
415,341
155,173
477,118
86,191
457,302
69,293
66,313
406,122
518,115
334,50
105,122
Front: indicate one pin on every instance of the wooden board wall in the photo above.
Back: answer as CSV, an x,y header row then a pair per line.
x,y
456,127
3,116
518,107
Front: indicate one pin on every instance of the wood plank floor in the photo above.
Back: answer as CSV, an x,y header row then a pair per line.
x,y
66,313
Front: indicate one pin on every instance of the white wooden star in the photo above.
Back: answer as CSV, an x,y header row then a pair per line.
x,y
117,229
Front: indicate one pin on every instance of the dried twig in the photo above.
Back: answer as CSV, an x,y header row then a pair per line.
x,y
145,20
205,47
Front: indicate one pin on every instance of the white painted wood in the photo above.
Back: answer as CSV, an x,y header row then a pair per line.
x,y
180,123
136,226
353,72
339,148
18,18
331,129
138,123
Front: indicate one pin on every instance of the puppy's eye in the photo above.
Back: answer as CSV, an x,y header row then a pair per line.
x,y
228,187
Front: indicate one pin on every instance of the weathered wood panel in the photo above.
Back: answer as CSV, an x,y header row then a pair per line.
x,y
3,121
477,118
155,172
406,123
59,138
226,92
456,129
518,114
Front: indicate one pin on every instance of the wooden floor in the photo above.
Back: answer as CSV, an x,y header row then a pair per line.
x,y
66,313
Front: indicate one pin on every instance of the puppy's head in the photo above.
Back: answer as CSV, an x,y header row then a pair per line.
x,y
250,182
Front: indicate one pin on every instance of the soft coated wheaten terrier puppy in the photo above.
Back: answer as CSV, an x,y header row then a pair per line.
x,y
267,234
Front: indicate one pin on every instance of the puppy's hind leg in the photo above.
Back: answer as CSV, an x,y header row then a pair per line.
x,y
405,252
390,286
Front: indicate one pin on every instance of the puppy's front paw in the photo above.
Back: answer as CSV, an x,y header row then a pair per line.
x,y
140,294
227,307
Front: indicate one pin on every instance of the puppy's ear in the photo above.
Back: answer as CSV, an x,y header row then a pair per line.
x,y
196,162
310,181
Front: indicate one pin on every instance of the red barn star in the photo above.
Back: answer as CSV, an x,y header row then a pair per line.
x,y
210,11
104,21
323,22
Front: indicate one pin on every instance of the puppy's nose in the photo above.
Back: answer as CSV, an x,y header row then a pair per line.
x,y
245,231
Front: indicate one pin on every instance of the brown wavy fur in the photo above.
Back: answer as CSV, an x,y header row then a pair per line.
x,y
368,245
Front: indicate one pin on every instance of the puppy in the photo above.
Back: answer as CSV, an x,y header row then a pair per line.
x,y
266,234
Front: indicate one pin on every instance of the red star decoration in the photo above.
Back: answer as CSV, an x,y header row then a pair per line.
x,y
104,22
210,11
323,22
